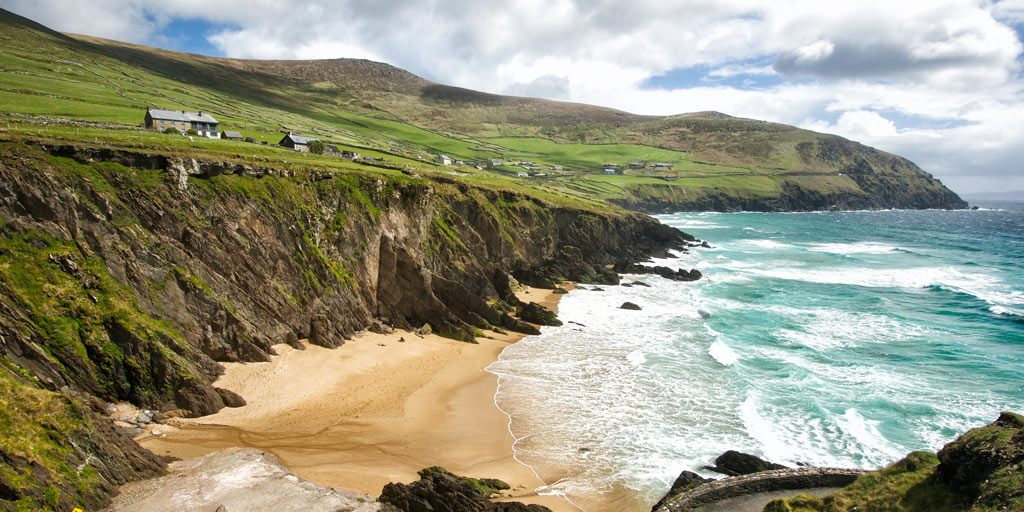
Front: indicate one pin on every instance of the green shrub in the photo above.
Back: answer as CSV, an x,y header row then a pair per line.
x,y
190,131
171,129
316,147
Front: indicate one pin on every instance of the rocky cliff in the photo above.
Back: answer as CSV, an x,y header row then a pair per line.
x,y
128,275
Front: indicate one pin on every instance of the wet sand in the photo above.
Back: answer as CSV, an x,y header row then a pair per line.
x,y
373,411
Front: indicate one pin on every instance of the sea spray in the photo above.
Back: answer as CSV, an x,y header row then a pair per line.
x,y
836,338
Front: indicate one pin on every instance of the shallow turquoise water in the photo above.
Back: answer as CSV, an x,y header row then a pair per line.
x,y
840,338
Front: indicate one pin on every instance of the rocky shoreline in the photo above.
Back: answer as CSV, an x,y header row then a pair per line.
x,y
168,268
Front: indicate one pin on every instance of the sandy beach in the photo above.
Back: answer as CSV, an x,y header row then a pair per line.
x,y
373,411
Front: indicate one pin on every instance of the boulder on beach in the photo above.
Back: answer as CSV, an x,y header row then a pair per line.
x,y
630,306
535,313
437,489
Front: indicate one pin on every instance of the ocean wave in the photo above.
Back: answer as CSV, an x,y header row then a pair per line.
x,y
721,352
1003,311
766,244
824,329
853,248
983,286
865,434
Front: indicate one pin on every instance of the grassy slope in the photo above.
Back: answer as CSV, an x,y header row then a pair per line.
x,y
385,112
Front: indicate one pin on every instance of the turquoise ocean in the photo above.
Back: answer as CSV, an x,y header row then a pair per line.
x,y
832,339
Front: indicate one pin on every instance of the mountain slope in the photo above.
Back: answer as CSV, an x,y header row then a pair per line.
x,y
714,161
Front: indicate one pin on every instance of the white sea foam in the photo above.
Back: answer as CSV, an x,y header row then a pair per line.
x,y
636,358
722,353
761,429
767,244
853,248
695,224
865,434
1000,310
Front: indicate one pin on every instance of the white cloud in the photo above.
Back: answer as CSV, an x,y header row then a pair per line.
x,y
546,86
890,77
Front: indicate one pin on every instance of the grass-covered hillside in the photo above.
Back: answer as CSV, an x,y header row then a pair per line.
x,y
981,471
99,89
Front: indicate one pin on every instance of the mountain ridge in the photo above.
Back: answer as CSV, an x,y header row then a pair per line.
x,y
714,160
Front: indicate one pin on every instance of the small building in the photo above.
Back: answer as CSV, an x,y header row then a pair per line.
x,y
495,163
460,162
556,167
610,166
231,135
636,165
610,171
445,159
522,174
662,165
297,142
331,150
649,171
350,155
204,124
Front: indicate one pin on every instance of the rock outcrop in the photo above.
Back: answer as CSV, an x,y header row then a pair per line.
x,y
684,482
980,471
663,271
734,463
986,465
437,490
128,276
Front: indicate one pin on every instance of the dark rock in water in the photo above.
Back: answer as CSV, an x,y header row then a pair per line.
x,y
626,285
597,289
735,463
535,313
705,245
630,306
438,490
667,273
687,480
577,323
640,283
986,464
584,449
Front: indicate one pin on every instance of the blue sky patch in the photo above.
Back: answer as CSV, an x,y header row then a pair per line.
x,y
903,120
189,35
703,75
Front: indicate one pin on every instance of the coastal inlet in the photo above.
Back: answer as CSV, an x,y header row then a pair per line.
x,y
834,339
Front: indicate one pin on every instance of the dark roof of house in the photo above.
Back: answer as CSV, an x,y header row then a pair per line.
x,y
181,115
332,148
299,139
232,135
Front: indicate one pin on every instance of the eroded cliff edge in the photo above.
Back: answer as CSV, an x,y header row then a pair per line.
x,y
127,275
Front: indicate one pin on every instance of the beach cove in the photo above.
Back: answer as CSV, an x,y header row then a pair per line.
x,y
373,411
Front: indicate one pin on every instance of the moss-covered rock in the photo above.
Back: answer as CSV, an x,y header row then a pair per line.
x,y
981,471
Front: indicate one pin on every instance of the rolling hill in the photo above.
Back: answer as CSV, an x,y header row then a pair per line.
x,y
714,161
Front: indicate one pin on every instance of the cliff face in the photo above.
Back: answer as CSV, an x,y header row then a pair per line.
x,y
127,276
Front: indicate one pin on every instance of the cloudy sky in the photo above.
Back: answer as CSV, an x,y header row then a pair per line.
x,y
940,82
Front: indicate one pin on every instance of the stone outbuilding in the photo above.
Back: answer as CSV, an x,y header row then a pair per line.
x,y
204,124
297,142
